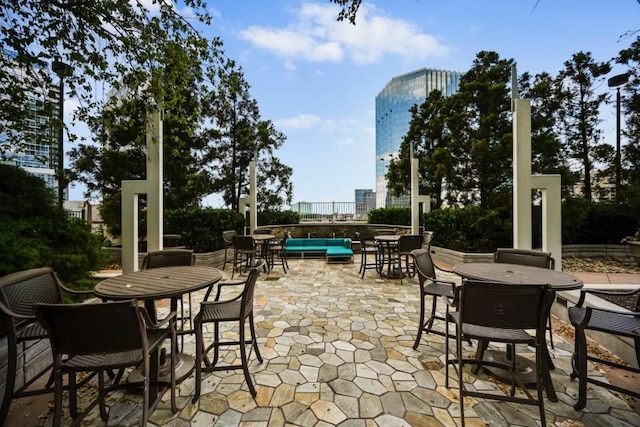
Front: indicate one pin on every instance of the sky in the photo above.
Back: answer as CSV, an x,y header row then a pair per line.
x,y
317,78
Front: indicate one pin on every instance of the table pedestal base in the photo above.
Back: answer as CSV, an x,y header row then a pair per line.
x,y
525,368
184,366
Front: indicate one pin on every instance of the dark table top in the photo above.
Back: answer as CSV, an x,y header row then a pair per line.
x,y
157,283
387,238
517,274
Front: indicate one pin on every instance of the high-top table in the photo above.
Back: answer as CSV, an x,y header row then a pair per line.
x,y
517,274
157,284
389,244
263,241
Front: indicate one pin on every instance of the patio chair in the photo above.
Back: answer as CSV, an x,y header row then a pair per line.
x,y
227,238
427,237
368,249
172,258
277,255
236,309
503,313
406,244
620,323
431,287
100,337
18,292
530,257
244,253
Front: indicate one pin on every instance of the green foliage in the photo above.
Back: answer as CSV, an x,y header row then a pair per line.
x,y
391,216
201,228
596,223
35,232
276,218
470,229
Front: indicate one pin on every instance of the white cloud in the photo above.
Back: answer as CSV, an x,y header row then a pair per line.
x,y
316,36
301,121
311,121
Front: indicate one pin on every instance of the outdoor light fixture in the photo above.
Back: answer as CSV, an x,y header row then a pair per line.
x,y
617,81
62,70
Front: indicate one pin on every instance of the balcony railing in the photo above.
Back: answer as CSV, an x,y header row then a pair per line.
x,y
332,211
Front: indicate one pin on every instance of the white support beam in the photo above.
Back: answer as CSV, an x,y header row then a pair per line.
x,y
253,196
415,194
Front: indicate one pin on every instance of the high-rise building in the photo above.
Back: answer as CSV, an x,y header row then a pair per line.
x,y
365,201
38,150
393,119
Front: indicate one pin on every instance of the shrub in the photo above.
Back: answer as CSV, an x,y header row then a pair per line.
x,y
391,216
36,232
277,217
201,228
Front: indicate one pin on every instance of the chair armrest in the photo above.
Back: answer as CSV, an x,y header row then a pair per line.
x,y
596,292
73,291
227,283
7,311
446,270
169,318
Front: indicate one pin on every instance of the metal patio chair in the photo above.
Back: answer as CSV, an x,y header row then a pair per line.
x,y
99,338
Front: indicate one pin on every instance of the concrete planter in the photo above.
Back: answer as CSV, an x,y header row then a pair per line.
x,y
634,247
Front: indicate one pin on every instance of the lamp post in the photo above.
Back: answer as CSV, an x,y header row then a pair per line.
x,y
617,81
62,70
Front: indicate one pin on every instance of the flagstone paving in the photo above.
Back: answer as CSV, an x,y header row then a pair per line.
x,y
338,351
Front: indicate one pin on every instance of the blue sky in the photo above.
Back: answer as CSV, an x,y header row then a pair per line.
x,y
317,78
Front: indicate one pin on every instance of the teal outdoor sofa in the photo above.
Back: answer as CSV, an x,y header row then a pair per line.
x,y
334,249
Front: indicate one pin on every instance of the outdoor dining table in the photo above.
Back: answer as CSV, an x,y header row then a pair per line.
x,y
157,284
262,241
389,244
517,274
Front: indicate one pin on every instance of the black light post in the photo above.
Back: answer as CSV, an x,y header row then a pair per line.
x,y
62,70
617,81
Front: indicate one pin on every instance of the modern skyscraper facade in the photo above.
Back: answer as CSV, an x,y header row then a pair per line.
x,y
38,150
365,201
393,118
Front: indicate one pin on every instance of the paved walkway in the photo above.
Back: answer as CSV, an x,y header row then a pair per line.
x,y
338,351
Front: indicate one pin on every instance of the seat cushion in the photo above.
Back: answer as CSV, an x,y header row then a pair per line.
x,y
334,251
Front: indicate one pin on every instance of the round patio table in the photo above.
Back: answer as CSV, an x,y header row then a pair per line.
x,y
156,284
516,274
389,244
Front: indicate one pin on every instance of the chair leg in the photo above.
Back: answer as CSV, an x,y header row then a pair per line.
x,y
421,324
254,338
244,360
199,353
57,411
101,398
580,368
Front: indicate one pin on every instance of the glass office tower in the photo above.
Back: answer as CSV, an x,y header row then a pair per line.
x,y
38,153
393,118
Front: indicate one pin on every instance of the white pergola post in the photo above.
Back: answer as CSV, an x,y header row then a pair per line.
x,y
253,197
152,187
415,197
524,182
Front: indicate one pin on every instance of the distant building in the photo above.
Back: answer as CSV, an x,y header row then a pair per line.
x,y
38,151
365,201
393,118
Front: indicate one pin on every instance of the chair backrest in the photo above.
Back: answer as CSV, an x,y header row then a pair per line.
x,y
249,289
427,237
244,243
524,257
227,236
20,290
168,258
78,329
409,242
505,306
424,265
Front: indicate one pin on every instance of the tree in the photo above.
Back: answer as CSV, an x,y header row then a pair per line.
x,y
35,231
631,106
102,40
548,156
239,135
579,113
120,132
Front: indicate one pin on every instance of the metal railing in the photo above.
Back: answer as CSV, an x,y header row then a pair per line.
x,y
332,211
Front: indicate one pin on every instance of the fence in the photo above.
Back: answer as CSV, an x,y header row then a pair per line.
x,y
332,211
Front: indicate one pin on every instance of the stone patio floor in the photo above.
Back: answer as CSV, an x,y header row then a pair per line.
x,y
338,351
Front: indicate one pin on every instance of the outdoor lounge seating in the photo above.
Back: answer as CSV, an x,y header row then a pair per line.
x,y
501,313
236,309
101,337
18,292
530,257
430,286
331,248
625,324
